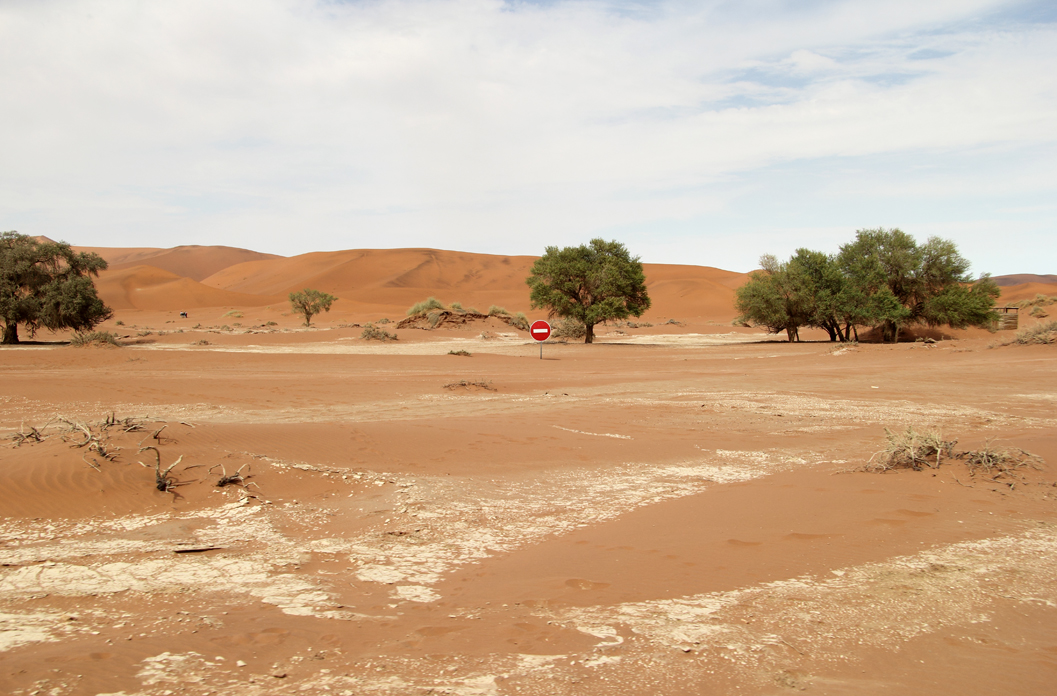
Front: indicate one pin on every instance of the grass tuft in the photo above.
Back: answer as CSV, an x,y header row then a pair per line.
x,y
496,310
424,306
463,353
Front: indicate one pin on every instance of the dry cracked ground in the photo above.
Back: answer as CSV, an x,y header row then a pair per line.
x,y
667,516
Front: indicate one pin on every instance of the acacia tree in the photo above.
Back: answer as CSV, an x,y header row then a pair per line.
x,y
309,303
883,279
590,283
896,283
775,297
45,284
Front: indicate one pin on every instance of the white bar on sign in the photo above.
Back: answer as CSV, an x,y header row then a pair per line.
x,y
539,331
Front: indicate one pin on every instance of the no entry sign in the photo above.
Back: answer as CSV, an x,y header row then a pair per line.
x,y
540,332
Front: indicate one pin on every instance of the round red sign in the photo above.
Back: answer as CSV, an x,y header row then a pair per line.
x,y
540,330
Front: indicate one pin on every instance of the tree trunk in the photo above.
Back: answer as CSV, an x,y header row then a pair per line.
x,y
590,336
10,333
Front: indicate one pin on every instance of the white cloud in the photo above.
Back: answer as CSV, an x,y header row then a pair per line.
x,y
477,124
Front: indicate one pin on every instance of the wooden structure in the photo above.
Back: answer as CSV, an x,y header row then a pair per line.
x,y
1008,318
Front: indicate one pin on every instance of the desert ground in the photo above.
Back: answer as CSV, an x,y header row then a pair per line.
x,y
681,508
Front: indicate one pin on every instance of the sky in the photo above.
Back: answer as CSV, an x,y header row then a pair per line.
x,y
706,133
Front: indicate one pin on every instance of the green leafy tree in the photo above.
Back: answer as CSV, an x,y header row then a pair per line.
x,y
591,283
309,303
46,284
775,297
895,282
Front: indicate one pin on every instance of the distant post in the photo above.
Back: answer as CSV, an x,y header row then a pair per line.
x,y
540,332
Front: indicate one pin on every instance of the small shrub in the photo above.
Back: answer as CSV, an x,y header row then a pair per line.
x,y
911,450
201,342
1039,300
464,353
424,306
272,323
473,310
673,322
225,327
383,320
520,321
1042,333
373,333
996,462
141,334
119,322
82,339
233,313
197,326
567,327
496,310
1039,313
455,305
434,319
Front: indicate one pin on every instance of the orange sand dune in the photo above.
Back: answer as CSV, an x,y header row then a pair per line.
x,y
1025,291
146,287
194,262
388,281
398,278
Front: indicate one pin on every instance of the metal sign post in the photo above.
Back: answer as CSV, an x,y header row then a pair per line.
x,y
540,332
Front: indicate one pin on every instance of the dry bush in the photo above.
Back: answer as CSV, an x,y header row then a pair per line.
x,y
1042,333
384,320
520,321
997,462
424,306
1039,313
1039,300
373,333
455,305
464,353
567,327
496,310
434,319
82,339
914,450
911,450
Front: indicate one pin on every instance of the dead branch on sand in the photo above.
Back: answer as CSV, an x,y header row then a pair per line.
x,y
466,384
162,481
233,479
34,434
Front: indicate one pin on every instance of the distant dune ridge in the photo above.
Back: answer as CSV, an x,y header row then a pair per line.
x,y
388,281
